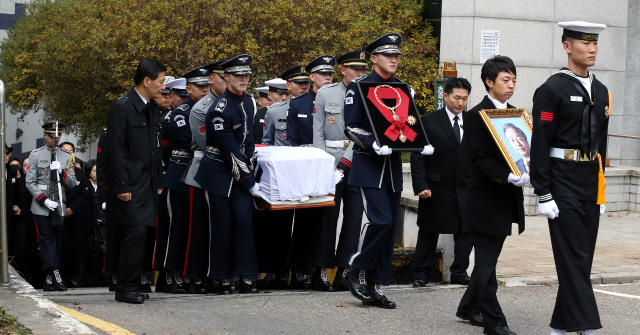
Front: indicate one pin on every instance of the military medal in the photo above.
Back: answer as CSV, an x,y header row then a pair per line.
x,y
283,136
332,119
411,120
395,117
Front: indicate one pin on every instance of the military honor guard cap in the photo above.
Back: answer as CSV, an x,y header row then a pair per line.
x,y
50,128
581,30
323,64
197,76
216,67
277,85
167,79
355,59
386,44
178,85
296,74
263,91
238,65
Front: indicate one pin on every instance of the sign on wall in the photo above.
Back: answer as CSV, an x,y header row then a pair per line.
x,y
489,44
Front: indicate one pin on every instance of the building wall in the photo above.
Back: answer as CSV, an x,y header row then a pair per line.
x,y
530,36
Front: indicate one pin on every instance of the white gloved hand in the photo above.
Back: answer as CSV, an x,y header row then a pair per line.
x,y
52,205
602,209
549,209
337,177
384,151
255,190
104,206
518,181
55,165
428,150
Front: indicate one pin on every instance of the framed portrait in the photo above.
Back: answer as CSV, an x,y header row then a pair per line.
x,y
511,129
393,116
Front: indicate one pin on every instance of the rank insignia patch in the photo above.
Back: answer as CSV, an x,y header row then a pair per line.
x,y
202,129
546,116
221,104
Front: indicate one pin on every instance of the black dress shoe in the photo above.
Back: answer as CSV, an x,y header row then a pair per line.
x,y
474,319
419,283
130,297
178,286
245,285
58,285
144,295
113,285
224,289
48,284
260,284
299,282
321,282
278,283
504,330
461,281
355,282
338,283
378,299
196,286
211,285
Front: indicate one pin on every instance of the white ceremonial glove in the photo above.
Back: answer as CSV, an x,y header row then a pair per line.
x,y
55,165
428,150
518,181
549,209
337,177
602,209
255,190
384,151
52,205
104,206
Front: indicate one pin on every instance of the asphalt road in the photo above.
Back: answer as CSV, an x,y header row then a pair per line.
x,y
420,311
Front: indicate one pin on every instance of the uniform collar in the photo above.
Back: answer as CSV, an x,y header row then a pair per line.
x,y
344,88
234,96
377,77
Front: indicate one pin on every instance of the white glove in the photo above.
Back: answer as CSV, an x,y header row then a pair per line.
x,y
104,206
428,150
518,181
602,208
52,205
55,165
549,209
384,151
255,190
337,177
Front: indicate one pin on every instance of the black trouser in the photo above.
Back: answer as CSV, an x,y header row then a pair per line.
x,y
306,227
112,254
481,292
178,204
424,261
131,256
197,258
573,239
273,237
325,254
162,232
50,240
233,245
74,263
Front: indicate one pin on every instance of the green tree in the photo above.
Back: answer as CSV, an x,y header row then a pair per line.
x,y
74,58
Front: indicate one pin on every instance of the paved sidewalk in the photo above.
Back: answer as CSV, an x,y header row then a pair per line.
x,y
528,258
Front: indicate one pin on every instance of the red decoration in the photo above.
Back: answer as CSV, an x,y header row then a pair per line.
x,y
402,112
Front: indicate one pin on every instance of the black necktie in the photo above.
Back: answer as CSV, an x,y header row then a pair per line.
x,y
456,128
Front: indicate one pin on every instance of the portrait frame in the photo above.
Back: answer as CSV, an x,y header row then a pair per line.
x,y
520,118
379,124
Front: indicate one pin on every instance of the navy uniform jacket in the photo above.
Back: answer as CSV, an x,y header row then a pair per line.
x,y
300,119
180,145
228,161
258,125
165,138
368,166
558,107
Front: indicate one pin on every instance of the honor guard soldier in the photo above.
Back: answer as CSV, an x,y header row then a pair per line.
x,y
178,201
43,189
263,97
179,92
379,178
569,145
275,91
226,173
198,253
328,135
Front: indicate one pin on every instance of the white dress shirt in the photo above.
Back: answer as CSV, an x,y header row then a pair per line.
x,y
460,122
498,104
141,97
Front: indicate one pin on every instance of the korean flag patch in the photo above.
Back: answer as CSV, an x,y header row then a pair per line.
x,y
181,123
218,126
348,101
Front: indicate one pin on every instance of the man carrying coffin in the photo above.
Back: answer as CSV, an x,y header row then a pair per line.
x,y
568,149
379,178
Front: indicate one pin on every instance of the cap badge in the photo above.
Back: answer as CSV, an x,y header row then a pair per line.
x,y
203,70
393,38
243,59
302,70
327,59
362,55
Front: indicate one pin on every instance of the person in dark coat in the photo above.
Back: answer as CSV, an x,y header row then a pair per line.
x,y
134,172
10,175
440,181
494,203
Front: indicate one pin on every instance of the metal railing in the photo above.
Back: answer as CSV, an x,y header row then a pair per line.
x,y
4,252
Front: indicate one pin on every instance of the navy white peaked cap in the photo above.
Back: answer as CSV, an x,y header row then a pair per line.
x,y
238,65
387,44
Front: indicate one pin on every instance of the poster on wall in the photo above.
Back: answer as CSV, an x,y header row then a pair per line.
x,y
489,44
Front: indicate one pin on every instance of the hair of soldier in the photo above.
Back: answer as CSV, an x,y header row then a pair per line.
x,y
456,82
88,167
67,143
148,68
568,39
493,66
514,127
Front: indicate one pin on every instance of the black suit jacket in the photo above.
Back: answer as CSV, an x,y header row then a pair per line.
x,y
494,204
77,227
445,173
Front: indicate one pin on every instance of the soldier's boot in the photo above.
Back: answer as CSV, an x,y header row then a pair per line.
x,y
196,286
48,283
320,281
338,283
179,286
355,281
211,285
113,285
224,287
378,299
280,282
58,285
143,286
246,285
298,281
168,282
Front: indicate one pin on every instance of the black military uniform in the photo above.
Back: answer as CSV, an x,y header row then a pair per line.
x,y
568,149
226,173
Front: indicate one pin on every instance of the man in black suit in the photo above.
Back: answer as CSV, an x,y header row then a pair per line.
x,y
440,181
495,200
135,172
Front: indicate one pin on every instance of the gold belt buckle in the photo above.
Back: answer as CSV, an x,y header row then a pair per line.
x,y
345,144
570,154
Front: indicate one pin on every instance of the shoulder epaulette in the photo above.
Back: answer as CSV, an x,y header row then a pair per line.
x,y
66,151
359,78
299,95
222,104
276,104
34,150
249,94
183,107
327,86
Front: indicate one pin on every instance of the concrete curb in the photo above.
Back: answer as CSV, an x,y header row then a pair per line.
x,y
36,312
608,278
